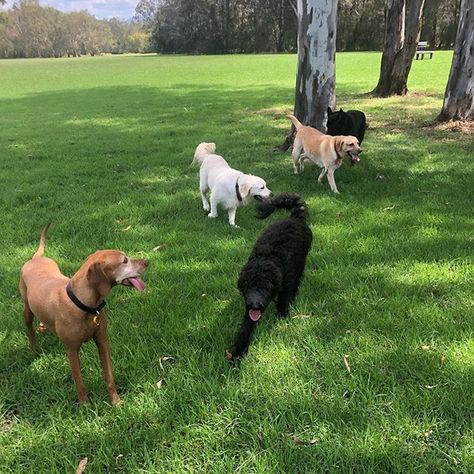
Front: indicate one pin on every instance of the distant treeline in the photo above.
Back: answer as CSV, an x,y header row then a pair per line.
x,y
202,27
234,26
28,30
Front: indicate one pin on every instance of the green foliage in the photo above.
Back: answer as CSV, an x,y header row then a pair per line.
x,y
29,30
102,148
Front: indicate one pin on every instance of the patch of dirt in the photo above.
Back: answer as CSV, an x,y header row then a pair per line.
x,y
457,126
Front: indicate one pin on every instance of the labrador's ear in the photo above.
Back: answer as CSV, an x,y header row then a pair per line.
x,y
98,279
245,185
339,143
329,111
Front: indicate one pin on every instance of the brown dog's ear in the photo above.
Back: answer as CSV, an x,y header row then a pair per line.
x,y
245,186
98,279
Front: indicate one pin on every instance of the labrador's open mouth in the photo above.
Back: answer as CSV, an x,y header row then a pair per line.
x,y
136,282
354,157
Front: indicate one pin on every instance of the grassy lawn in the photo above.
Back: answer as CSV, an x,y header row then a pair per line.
x,y
102,148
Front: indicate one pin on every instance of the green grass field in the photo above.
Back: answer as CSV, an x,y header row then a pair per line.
x,y
102,148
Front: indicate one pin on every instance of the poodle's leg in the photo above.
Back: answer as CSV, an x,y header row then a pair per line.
x,y
332,183
243,337
288,294
322,175
297,149
231,213
213,213
283,302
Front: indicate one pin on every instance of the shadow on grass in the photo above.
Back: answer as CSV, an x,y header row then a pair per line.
x,y
111,168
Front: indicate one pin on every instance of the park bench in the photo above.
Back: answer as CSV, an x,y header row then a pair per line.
x,y
421,50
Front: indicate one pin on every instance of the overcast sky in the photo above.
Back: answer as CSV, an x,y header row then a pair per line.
x,y
124,9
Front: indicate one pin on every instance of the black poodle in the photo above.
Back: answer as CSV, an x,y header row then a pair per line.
x,y
275,266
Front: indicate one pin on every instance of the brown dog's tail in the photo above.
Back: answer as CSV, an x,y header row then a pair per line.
x,y
295,121
40,251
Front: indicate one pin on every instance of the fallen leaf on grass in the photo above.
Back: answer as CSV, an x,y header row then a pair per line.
x,y
301,316
228,355
430,387
158,247
160,383
127,228
164,359
425,348
389,208
346,363
81,466
302,442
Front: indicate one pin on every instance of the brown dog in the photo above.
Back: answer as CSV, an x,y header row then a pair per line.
x,y
324,150
73,308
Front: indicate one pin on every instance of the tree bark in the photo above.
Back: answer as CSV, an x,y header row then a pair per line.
x,y
316,76
459,96
402,33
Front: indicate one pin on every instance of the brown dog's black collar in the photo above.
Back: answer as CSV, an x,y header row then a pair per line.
x,y
81,305
237,190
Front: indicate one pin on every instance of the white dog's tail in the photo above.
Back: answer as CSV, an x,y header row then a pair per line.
x,y
202,150
295,121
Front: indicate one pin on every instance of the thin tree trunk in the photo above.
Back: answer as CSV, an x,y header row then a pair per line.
x,y
316,76
400,42
459,97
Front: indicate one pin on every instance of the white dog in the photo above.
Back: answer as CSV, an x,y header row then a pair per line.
x,y
230,188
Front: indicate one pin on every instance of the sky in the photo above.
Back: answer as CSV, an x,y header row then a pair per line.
x,y
124,9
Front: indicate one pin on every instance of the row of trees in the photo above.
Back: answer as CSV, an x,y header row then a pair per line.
x,y
226,26
30,30
315,81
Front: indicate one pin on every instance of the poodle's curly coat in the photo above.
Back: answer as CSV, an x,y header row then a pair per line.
x,y
275,266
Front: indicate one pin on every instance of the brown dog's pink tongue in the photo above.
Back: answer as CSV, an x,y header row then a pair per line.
x,y
137,283
255,314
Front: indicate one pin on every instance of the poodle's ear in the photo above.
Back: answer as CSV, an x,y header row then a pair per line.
x,y
245,185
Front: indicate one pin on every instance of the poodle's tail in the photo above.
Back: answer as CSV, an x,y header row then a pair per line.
x,y
295,121
290,201
40,251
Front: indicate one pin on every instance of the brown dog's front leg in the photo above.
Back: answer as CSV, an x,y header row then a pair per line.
x,y
73,356
104,353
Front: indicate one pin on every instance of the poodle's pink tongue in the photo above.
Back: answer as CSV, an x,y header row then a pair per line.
x,y
255,314
137,283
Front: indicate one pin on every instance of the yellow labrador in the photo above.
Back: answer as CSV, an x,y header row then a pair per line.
x,y
325,150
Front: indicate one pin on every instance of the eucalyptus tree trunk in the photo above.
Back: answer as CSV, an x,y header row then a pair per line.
x,y
402,33
316,76
459,97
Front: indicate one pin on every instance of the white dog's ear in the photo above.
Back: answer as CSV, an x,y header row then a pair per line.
x,y
245,185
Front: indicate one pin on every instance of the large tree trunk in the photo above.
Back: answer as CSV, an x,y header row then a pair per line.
x,y
459,97
316,77
400,42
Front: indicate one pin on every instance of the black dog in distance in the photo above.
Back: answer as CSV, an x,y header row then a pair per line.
x,y
275,266
352,122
